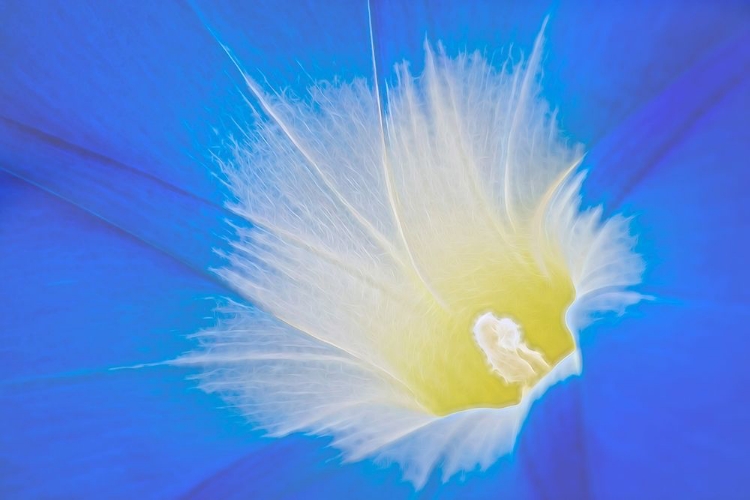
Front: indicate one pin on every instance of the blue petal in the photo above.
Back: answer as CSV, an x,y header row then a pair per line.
x,y
663,392
115,109
80,297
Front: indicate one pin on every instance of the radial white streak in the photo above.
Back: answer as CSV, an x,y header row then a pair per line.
x,y
392,196
268,109
529,75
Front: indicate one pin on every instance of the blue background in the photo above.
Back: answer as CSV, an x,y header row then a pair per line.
x,y
109,211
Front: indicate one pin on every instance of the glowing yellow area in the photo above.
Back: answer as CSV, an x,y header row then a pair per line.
x,y
438,357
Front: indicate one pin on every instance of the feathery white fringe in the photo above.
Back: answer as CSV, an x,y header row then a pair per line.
x,y
372,229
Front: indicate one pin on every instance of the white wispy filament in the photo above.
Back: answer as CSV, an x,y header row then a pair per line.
x,y
420,268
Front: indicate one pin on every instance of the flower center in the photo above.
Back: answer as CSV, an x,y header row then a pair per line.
x,y
470,357
507,353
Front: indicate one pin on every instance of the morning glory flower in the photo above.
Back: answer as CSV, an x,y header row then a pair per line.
x,y
419,267
143,179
